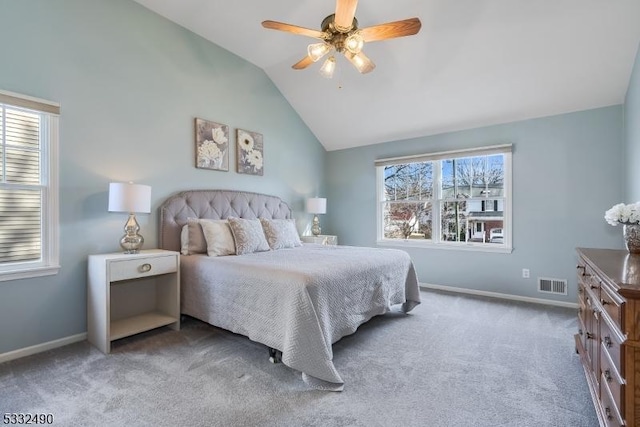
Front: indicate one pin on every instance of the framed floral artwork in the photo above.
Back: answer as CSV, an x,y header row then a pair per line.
x,y
250,152
212,145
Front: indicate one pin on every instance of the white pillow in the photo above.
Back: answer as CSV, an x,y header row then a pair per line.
x,y
218,236
184,240
281,233
248,236
192,240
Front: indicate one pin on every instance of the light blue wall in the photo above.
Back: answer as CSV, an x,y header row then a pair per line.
x,y
130,84
567,171
632,135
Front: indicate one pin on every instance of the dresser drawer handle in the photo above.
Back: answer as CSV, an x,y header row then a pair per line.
x,y
604,302
607,342
593,286
589,336
607,411
607,376
580,332
145,268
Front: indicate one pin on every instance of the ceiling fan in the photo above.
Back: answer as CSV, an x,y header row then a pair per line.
x,y
340,32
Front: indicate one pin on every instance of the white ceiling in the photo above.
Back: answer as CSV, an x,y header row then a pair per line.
x,y
474,63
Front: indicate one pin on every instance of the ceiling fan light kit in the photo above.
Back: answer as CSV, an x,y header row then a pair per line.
x,y
329,67
318,50
340,32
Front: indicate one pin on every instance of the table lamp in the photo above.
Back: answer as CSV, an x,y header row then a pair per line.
x,y
316,205
131,198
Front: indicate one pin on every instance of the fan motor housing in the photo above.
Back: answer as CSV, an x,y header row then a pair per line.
x,y
335,37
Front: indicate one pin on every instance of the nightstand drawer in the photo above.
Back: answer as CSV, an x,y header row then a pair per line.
x,y
141,267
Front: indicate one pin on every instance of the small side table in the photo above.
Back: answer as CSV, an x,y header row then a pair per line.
x,y
322,239
131,293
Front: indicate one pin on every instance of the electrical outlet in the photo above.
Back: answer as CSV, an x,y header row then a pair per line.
x,y
525,273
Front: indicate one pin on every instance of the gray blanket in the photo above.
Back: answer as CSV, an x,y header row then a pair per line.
x,y
300,300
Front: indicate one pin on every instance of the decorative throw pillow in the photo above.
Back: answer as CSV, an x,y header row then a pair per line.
x,y
195,242
248,235
218,236
184,240
281,233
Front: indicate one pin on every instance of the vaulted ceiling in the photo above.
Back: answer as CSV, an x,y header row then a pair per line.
x,y
474,62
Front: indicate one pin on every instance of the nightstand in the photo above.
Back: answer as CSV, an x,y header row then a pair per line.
x,y
322,239
131,293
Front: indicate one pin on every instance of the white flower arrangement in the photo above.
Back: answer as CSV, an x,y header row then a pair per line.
x,y
623,214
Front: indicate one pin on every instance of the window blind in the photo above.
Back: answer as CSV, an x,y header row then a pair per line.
x,y
21,186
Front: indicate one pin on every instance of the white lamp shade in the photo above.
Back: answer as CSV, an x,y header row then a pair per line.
x,y
317,205
129,197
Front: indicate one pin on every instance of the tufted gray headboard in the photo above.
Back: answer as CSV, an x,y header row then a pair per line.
x,y
214,204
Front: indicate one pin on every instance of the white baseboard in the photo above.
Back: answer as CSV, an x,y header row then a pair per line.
x,y
498,295
39,348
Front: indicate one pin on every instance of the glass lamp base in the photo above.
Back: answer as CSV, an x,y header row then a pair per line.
x,y
315,228
131,242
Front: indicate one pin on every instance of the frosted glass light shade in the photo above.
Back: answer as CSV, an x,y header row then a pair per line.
x,y
318,50
317,205
354,43
129,197
360,61
328,67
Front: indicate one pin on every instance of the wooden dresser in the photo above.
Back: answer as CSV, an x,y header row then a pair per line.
x,y
608,338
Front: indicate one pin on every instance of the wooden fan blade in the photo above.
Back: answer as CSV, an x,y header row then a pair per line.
x,y
280,26
390,30
360,61
345,11
303,63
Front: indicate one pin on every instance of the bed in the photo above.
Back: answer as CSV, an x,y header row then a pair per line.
x,y
298,299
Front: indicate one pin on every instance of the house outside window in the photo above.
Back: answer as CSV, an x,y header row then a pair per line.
x,y
454,200
28,187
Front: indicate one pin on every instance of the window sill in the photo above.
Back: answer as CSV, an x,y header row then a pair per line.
x,y
27,273
473,247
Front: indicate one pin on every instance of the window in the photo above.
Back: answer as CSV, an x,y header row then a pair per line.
x,y
455,200
28,187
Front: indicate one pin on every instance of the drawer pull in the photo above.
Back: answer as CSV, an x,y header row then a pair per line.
x,y
607,376
607,412
593,286
604,302
589,336
145,268
607,342
580,332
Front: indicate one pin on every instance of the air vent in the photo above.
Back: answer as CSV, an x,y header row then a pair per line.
x,y
552,286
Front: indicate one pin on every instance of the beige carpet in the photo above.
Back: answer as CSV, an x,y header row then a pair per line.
x,y
454,361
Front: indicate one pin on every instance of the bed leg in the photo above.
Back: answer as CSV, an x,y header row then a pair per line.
x,y
275,356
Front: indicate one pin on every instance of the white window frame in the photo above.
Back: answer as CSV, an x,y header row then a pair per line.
x,y
435,242
49,263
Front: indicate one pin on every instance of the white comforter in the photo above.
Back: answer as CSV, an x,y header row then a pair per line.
x,y
299,300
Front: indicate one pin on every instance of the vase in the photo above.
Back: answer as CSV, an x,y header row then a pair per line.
x,y
631,233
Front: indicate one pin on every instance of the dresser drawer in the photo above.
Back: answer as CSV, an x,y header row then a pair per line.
x,y
611,376
611,305
610,410
591,281
141,267
610,344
